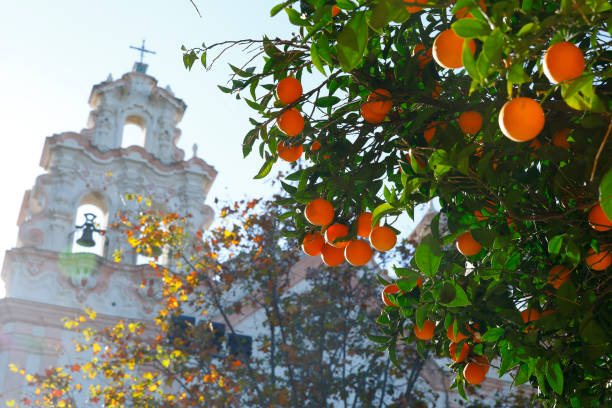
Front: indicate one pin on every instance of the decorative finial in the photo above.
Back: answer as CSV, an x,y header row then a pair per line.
x,y
140,66
109,78
195,150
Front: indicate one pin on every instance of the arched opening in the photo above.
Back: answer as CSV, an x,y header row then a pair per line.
x,y
134,132
92,210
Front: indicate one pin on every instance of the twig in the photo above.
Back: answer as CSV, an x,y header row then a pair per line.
x,y
600,150
196,7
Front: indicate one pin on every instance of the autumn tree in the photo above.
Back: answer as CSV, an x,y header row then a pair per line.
x,y
500,110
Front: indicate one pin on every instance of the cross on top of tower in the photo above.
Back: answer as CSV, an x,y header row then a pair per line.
x,y
140,66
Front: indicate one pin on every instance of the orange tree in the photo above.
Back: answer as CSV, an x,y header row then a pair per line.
x,y
498,109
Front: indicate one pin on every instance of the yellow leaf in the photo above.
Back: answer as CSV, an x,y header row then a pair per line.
x,y
132,327
13,368
91,313
61,403
152,387
165,362
96,348
10,403
109,173
29,378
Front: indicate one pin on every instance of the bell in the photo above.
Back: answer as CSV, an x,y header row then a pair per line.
x,y
86,239
89,228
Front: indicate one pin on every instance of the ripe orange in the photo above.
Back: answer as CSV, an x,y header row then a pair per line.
x,y
319,212
358,252
369,116
467,245
380,102
331,255
530,315
599,220
562,62
474,373
291,122
316,145
470,122
414,9
483,361
289,153
598,261
383,238
392,288
423,56
560,138
463,12
451,331
521,119
288,90
465,349
558,275
448,47
426,332
312,244
430,130
364,224
335,11
334,232
420,282
535,145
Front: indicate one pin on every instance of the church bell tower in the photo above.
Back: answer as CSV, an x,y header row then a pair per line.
x,y
48,275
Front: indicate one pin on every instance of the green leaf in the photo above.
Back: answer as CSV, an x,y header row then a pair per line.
x,y
381,211
408,281
605,193
276,9
316,60
296,18
469,62
516,74
493,45
352,42
526,29
265,169
384,12
470,28
554,375
523,375
327,101
378,339
421,314
428,256
554,245
492,335
460,299
439,162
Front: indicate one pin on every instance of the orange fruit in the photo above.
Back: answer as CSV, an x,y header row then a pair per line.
x,y
392,288
465,350
530,315
483,361
598,261
358,252
560,138
383,238
470,122
521,119
380,102
448,47
474,373
334,232
335,11
450,334
563,61
437,91
312,244
467,245
364,224
412,8
463,12
316,145
289,153
535,145
369,116
558,275
288,90
291,122
548,312
331,255
430,130
598,219
319,212
423,56
420,282
426,332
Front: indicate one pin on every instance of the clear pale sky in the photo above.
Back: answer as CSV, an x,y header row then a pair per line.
x,y
52,53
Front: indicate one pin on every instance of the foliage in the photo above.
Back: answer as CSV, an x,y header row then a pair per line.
x,y
533,198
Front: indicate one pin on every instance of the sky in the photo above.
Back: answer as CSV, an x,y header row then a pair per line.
x,y
52,53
